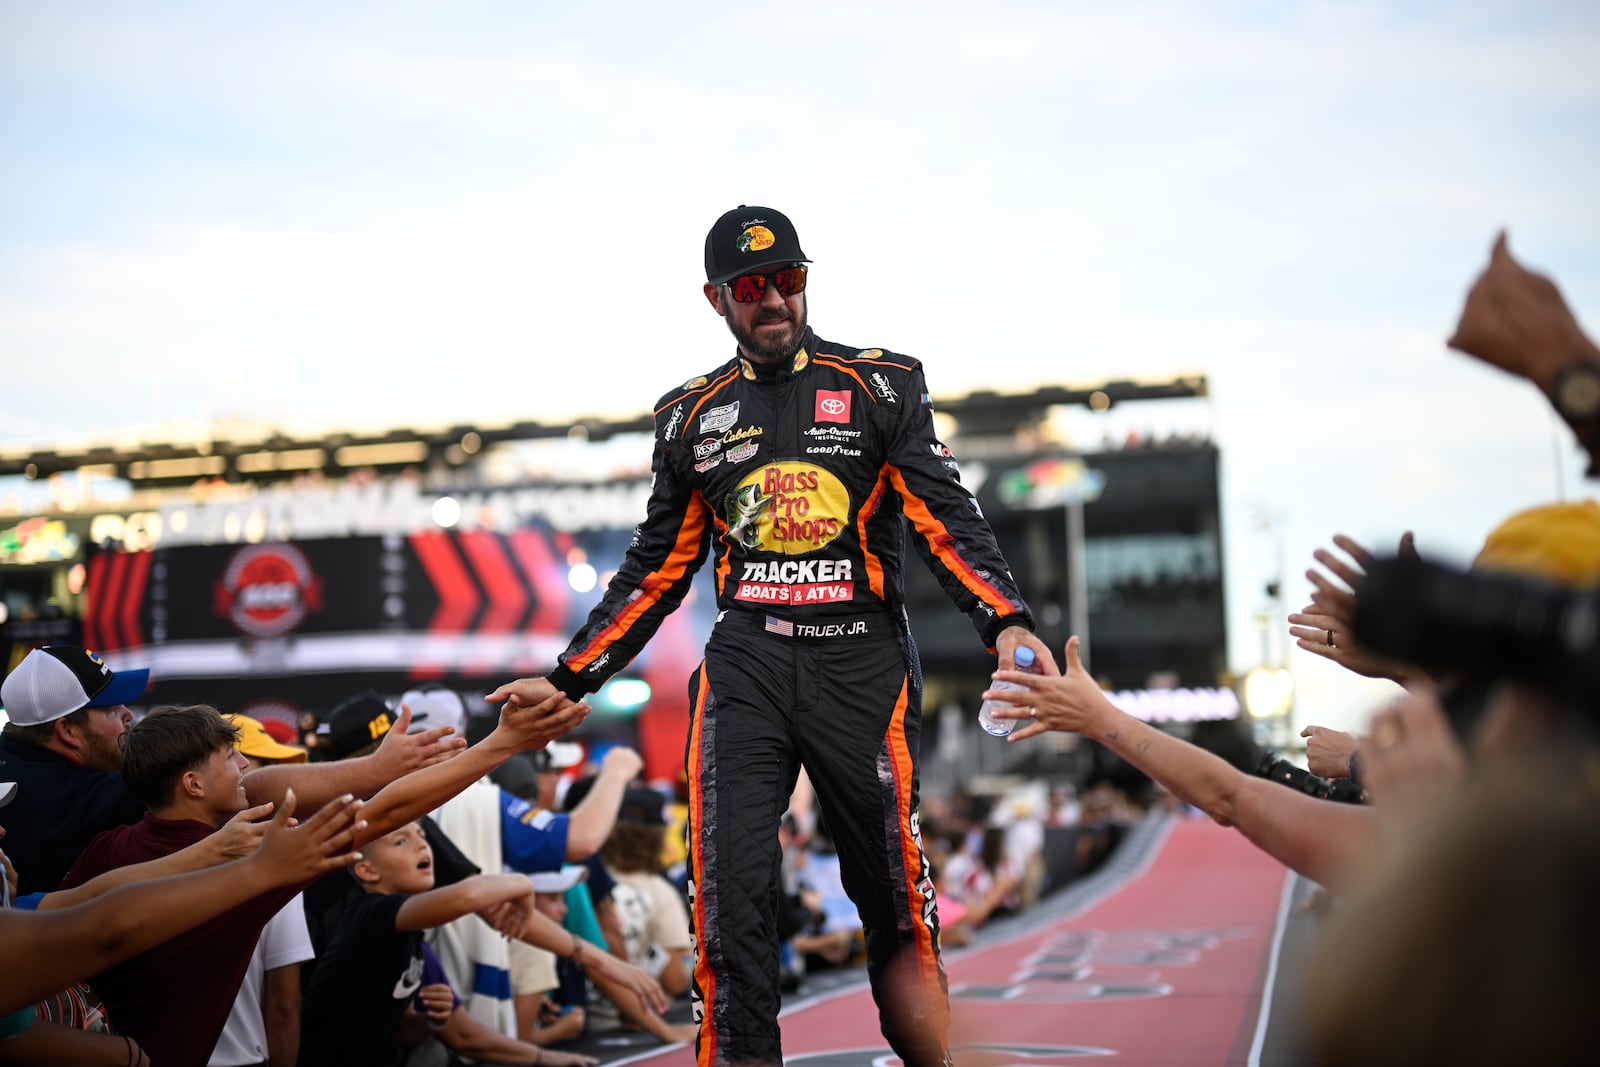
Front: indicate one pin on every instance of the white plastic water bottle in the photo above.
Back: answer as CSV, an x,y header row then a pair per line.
x,y
986,716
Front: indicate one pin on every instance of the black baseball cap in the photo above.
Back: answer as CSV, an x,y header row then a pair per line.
x,y
749,238
353,724
640,805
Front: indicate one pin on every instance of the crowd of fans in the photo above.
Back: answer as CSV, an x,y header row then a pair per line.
x,y
499,895
398,954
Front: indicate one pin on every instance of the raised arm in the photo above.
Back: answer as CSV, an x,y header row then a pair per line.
x,y
64,946
521,729
239,836
1517,320
1318,838
592,821
398,754
424,911
1326,626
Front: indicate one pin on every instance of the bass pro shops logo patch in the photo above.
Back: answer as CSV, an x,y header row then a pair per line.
x,y
755,238
268,590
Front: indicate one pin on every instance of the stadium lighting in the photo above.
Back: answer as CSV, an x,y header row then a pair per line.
x,y
582,577
446,511
627,693
1268,693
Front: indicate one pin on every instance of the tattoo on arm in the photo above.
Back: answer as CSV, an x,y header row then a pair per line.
x,y
1114,737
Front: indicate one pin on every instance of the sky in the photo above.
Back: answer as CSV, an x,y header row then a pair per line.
x,y
319,215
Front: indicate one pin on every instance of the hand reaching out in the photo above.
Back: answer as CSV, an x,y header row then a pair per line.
x,y
321,844
401,752
242,834
1068,702
533,713
1325,626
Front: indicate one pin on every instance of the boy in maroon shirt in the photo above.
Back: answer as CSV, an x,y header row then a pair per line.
x,y
175,998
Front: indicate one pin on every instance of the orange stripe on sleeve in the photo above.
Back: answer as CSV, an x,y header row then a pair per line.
x,y
673,570
869,557
837,364
936,535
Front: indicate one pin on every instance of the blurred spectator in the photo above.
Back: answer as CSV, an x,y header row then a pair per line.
x,y
982,878
1017,815
805,939
542,1020
1471,942
651,910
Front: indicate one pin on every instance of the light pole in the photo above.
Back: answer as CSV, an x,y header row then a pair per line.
x,y
1269,689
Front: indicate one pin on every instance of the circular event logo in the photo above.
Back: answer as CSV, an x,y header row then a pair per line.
x,y
268,590
789,508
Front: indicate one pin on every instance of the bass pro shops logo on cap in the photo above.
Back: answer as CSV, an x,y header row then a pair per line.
x,y
268,590
755,238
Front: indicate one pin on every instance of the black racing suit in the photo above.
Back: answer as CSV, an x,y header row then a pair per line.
x,y
807,479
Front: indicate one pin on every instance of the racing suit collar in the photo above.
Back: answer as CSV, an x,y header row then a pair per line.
x,y
767,372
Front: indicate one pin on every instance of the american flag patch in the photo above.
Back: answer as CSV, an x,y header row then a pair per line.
x,y
781,627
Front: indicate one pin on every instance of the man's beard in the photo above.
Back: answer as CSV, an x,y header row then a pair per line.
x,y
100,754
776,350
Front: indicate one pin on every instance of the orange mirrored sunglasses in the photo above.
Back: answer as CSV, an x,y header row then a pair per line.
x,y
748,288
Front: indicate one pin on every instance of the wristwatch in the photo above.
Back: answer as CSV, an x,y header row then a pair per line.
x,y
1576,392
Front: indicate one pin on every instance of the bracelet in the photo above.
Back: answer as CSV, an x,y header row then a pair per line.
x,y
132,1062
577,948
538,1053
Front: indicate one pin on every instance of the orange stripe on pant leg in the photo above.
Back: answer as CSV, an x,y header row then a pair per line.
x,y
704,980
931,993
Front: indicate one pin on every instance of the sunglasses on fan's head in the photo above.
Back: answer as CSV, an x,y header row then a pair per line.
x,y
749,288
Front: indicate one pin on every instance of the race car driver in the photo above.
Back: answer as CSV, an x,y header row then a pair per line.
x,y
807,466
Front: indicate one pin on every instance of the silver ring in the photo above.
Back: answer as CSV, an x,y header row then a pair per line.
x,y
1033,713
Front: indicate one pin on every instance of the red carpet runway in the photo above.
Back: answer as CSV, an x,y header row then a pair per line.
x,y
1162,960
